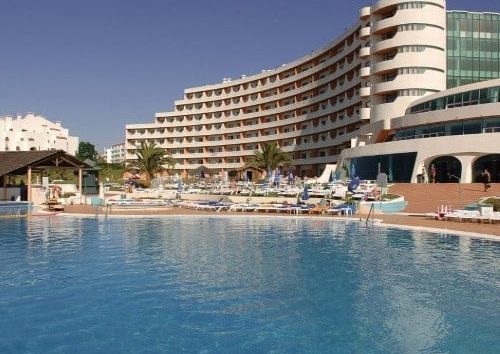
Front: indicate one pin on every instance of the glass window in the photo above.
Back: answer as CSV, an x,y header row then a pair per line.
x,y
475,96
440,103
398,167
493,94
450,101
472,127
483,96
466,98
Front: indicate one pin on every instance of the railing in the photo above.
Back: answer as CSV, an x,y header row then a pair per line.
x,y
491,130
420,136
371,212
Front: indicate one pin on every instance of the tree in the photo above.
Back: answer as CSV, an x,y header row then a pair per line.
x,y
86,151
150,160
270,157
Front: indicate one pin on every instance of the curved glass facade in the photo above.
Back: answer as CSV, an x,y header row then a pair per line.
x,y
462,127
398,167
473,47
467,98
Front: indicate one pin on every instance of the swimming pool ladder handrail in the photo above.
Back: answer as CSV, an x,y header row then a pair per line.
x,y
372,209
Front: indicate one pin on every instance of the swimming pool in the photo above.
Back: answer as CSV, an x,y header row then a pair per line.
x,y
219,284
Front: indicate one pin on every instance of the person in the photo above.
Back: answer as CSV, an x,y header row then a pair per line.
x,y
433,173
424,174
23,190
486,179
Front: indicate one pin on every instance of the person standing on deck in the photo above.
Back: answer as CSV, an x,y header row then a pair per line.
x,y
433,173
486,179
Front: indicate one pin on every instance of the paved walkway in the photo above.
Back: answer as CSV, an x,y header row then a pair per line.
x,y
408,220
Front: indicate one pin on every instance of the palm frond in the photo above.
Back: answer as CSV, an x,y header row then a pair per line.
x,y
150,159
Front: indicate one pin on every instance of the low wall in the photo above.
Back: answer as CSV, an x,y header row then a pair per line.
x,y
10,193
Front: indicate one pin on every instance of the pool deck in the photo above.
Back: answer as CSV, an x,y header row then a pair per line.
x,y
407,220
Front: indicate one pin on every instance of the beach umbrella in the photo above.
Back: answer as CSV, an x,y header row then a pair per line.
x,y
332,176
354,184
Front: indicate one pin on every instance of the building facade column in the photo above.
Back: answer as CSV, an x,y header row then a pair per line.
x,y
80,181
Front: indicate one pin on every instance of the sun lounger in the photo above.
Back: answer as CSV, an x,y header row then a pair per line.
x,y
268,208
462,215
243,207
495,217
212,205
340,209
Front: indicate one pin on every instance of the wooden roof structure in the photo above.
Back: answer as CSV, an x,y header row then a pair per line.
x,y
15,163
18,162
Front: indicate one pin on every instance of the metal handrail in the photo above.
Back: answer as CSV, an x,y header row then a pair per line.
x,y
372,208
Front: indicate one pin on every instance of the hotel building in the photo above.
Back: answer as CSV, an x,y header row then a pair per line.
x,y
340,97
115,154
34,132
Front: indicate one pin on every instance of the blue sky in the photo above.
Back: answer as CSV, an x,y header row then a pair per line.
x,y
97,65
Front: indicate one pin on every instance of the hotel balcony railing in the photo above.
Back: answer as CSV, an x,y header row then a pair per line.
x,y
266,100
277,84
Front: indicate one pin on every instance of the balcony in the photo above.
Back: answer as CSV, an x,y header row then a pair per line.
x,y
364,32
365,72
364,52
364,12
364,92
364,113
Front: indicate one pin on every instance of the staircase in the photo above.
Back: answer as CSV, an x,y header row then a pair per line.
x,y
425,198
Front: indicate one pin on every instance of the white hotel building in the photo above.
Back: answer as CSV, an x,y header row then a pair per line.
x,y
34,132
115,154
330,105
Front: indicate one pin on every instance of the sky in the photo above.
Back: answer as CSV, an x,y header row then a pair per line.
x,y
97,65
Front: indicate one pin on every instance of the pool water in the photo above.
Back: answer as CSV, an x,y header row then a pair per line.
x,y
248,285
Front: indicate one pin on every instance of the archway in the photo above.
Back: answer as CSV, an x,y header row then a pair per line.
x,y
490,162
448,169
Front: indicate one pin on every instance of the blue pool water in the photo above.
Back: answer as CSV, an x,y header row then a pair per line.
x,y
247,285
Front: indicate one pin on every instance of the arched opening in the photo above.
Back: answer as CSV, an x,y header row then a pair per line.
x,y
445,169
490,162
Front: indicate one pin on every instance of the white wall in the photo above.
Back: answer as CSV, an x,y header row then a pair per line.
x,y
34,132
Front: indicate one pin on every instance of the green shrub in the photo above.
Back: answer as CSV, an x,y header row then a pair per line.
x,y
495,202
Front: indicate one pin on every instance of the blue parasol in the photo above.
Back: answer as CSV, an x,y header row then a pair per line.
x,y
332,176
353,184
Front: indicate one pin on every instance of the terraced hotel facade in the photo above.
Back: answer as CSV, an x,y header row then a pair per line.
x,y
319,105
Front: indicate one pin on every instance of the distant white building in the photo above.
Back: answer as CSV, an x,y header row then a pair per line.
x,y
116,154
35,132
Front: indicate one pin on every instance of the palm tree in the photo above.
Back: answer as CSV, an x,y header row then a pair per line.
x,y
270,157
151,159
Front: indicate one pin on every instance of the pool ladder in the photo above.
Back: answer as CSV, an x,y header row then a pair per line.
x,y
372,213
